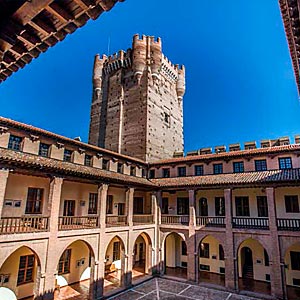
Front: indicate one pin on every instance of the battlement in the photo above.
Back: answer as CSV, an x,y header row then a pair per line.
x,y
144,38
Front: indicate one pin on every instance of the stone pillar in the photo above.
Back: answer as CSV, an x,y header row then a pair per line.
x,y
192,274
53,209
102,196
156,205
277,285
230,255
129,204
3,182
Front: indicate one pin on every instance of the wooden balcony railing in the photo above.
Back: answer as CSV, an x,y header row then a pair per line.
x,y
112,221
175,219
288,224
142,219
251,223
23,224
211,221
71,223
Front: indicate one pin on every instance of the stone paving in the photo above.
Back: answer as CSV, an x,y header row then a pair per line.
x,y
174,290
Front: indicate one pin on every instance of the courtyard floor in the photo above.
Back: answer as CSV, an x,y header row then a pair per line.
x,y
166,289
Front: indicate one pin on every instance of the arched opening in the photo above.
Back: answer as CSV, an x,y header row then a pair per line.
x,y
211,261
114,265
75,270
292,271
175,256
253,267
20,275
142,256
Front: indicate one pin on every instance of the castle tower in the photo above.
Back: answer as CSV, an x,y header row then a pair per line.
x,y
137,102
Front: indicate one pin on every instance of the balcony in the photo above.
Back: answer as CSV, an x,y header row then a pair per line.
x,y
114,221
74,223
288,224
23,224
211,221
250,223
175,219
142,219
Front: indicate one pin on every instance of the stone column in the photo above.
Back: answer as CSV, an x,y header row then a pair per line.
x,y
129,204
191,243
156,208
102,196
230,256
53,209
3,182
277,288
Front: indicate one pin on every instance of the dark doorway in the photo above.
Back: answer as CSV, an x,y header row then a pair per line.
x,y
247,262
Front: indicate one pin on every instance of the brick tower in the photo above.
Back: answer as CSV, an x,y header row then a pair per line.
x,y
137,102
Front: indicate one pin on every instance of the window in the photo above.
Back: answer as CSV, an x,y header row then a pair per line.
x,y
67,155
93,202
26,269
221,252
143,173
120,168
285,163
238,167
152,174
218,168
242,206
220,206
165,206
34,201
44,150
138,205
109,204
64,262
295,260
14,142
182,206
183,248
204,250
203,207
262,206
105,163
116,251
266,258
260,165
88,160
132,170
204,267
291,204
166,173
181,171
167,118
198,170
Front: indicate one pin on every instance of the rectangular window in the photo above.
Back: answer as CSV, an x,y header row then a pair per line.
x,y
295,260
133,171
204,250
15,142
203,207
116,251
220,206
166,172
88,160
260,165
181,171
152,174
34,201
68,155
291,204
183,248
138,205
285,163
105,163
120,168
44,150
242,206
64,262
109,204
165,206
221,252
262,206
26,269
182,206
93,203
218,168
204,267
238,167
198,170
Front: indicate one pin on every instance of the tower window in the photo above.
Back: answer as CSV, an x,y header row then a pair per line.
x,y
167,118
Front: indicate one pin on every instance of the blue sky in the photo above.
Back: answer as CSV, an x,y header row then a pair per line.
x,y
239,78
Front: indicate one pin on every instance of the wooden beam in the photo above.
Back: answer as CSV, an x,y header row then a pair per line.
x,y
84,4
59,12
42,26
29,37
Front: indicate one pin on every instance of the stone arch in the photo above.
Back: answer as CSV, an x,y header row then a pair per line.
x,y
286,243
23,260
114,237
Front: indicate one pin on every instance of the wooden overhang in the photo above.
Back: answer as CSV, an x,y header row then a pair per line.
x,y
290,14
30,27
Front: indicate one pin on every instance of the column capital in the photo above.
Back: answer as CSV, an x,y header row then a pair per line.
x,y
103,186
